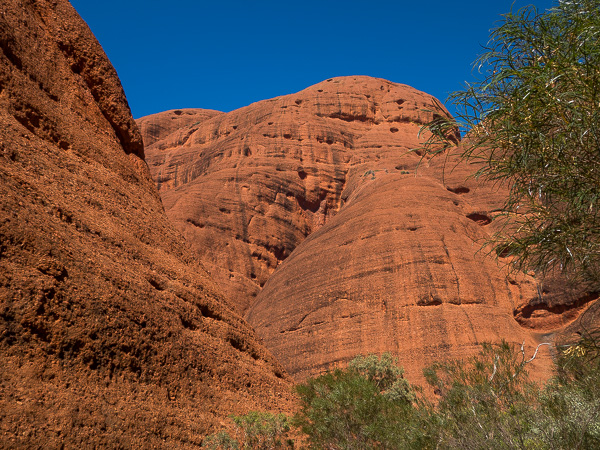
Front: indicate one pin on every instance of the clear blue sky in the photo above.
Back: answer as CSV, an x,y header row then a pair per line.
x,y
224,54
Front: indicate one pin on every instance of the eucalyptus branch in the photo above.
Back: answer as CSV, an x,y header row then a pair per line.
x,y
533,120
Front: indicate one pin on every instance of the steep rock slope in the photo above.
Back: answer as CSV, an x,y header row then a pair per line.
x,y
396,270
391,261
247,187
111,333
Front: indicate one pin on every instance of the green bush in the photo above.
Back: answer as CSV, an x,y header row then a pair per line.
x,y
571,401
487,401
490,402
387,376
255,430
220,441
263,430
368,405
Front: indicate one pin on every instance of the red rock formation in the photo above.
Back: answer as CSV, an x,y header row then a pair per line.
x,y
315,197
248,186
396,270
158,126
111,334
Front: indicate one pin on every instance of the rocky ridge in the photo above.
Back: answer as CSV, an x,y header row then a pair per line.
x,y
111,332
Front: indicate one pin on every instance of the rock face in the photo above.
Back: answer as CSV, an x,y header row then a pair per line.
x,y
395,271
111,333
247,187
310,210
158,126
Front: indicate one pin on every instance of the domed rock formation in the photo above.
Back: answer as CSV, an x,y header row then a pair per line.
x,y
248,186
396,270
111,333
310,210
158,126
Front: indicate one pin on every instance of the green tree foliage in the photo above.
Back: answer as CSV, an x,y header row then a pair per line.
x,y
255,430
532,122
368,405
489,402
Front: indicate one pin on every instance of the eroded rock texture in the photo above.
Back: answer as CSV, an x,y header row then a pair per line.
x,y
310,210
158,126
248,186
111,333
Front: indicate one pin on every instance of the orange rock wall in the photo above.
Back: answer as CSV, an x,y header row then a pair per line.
x,y
310,211
111,333
248,186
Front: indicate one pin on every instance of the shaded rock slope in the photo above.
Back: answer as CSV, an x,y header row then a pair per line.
x,y
111,333
310,211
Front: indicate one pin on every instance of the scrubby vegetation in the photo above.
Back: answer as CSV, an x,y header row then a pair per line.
x,y
255,430
487,402
367,405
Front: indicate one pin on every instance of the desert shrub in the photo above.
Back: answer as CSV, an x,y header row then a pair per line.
x,y
220,441
263,430
570,402
490,402
487,401
255,430
387,376
368,405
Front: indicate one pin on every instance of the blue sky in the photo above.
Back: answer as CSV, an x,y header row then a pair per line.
x,y
227,54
